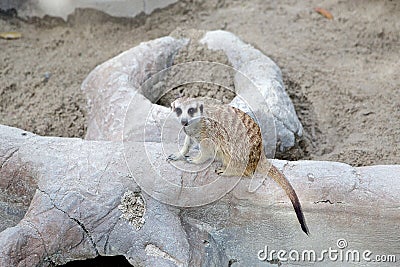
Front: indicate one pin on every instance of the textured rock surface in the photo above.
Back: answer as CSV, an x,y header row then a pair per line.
x,y
79,184
111,86
73,213
258,84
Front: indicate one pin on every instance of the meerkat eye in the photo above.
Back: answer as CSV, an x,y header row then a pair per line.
x,y
178,111
191,111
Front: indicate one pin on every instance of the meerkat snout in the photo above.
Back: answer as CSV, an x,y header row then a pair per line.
x,y
184,122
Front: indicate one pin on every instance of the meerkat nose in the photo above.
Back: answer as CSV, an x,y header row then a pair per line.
x,y
184,122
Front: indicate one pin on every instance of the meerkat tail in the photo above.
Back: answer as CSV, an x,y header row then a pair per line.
x,y
280,179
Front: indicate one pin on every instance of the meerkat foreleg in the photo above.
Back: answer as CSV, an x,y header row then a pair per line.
x,y
180,155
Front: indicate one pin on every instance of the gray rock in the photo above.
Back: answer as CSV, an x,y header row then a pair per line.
x,y
73,213
78,185
113,85
122,8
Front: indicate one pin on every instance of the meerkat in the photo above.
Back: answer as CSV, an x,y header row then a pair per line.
x,y
230,136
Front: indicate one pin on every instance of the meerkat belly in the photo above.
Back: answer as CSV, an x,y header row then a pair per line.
x,y
238,136
215,133
230,135
253,141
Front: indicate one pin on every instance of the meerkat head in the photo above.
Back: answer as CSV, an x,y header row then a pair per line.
x,y
187,110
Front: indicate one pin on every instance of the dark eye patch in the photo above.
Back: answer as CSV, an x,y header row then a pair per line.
x,y
191,111
178,111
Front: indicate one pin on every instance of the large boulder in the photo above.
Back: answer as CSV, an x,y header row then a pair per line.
x,y
79,188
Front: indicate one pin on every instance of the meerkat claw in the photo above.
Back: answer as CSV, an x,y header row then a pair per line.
x,y
219,170
173,157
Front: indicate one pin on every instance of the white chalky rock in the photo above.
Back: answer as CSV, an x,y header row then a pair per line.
x,y
77,187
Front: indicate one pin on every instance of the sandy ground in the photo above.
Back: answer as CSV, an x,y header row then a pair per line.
x,y
343,75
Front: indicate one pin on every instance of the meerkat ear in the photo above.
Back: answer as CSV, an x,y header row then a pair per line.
x,y
201,107
178,95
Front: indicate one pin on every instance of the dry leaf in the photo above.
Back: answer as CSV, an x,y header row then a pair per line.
x,y
10,35
324,12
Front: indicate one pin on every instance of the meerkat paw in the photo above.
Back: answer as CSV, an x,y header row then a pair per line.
x,y
197,160
175,156
220,170
192,160
224,171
